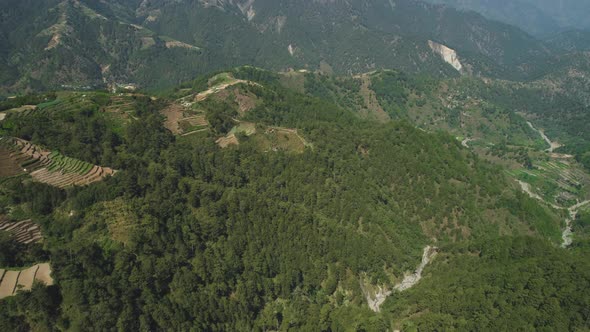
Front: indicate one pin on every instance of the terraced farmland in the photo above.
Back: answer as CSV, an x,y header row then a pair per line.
x,y
24,231
13,281
8,166
120,108
561,182
181,119
47,167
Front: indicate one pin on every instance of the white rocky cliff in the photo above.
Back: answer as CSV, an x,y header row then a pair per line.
x,y
447,54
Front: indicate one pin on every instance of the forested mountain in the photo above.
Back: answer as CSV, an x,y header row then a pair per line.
x,y
50,44
571,40
286,165
218,219
538,17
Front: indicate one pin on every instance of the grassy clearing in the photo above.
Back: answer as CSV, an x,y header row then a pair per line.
x,y
220,79
108,222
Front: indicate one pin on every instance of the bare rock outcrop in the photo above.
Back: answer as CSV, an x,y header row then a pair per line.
x,y
449,55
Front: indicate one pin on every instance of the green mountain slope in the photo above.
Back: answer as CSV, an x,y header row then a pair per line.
x,y
572,40
191,233
69,45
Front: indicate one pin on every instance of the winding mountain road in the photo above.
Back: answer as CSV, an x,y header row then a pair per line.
x,y
552,145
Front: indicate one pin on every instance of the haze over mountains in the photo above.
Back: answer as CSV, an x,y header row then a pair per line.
x,y
158,44
542,18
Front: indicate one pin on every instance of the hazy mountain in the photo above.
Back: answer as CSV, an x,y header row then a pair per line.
x,y
571,40
161,43
538,17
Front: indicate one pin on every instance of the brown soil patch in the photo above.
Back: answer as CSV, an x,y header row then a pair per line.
x,y
8,283
22,109
44,274
226,141
26,278
193,123
8,166
246,102
173,114
55,40
13,281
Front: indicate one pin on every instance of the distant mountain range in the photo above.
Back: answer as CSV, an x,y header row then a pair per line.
x,y
538,17
52,44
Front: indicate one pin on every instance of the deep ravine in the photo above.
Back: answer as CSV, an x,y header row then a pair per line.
x,y
375,301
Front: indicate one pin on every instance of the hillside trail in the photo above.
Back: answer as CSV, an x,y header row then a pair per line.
x,y
408,282
466,141
219,87
567,234
552,145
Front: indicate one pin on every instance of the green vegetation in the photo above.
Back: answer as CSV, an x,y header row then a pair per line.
x,y
27,100
190,236
581,229
87,45
507,284
557,182
15,254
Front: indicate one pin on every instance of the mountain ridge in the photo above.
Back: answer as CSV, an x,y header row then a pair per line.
x,y
162,43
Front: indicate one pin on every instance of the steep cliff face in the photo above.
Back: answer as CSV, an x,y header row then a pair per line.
x,y
447,54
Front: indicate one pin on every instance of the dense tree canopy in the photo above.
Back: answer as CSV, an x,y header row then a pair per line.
x,y
191,236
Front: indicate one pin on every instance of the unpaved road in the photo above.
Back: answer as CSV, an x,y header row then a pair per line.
x,y
567,234
552,145
466,141
203,95
527,189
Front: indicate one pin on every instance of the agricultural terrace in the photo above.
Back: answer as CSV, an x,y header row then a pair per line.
x,y
47,167
24,231
561,182
13,281
182,119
